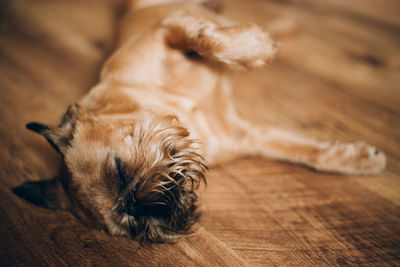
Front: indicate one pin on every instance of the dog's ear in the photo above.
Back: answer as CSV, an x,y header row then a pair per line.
x,y
47,194
59,136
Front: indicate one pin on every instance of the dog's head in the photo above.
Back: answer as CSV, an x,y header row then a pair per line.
x,y
137,174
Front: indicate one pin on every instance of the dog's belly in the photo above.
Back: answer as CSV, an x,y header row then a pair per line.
x,y
153,65
193,78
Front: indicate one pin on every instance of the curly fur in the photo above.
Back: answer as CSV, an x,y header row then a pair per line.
x,y
157,181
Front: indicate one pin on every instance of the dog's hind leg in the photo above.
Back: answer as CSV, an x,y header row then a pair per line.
x,y
237,46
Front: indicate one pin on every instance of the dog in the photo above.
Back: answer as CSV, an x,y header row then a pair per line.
x,y
137,146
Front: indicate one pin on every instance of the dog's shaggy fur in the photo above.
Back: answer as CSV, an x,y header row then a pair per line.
x,y
136,146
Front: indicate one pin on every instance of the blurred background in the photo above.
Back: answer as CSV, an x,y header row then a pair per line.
x,y
336,76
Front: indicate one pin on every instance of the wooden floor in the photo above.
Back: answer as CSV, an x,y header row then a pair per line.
x,y
337,76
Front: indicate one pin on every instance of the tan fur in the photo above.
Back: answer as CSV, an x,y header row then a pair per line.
x,y
154,99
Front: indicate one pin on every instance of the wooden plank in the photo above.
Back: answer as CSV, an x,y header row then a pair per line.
x,y
274,215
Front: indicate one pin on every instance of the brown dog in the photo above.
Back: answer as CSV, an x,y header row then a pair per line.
x,y
136,146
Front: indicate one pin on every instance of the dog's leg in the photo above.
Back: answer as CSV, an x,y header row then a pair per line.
x,y
241,137
237,137
350,158
241,46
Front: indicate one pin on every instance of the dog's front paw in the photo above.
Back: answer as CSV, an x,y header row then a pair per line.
x,y
353,158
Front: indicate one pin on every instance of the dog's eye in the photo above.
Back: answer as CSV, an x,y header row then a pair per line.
x,y
131,207
121,174
120,208
127,205
192,55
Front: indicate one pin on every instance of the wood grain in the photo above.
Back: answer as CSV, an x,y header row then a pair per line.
x,y
337,76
